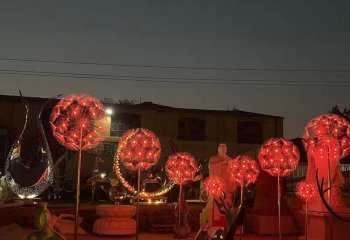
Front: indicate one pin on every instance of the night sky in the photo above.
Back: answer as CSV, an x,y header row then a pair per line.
x,y
214,42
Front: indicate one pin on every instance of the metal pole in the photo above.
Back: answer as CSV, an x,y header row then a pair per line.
x,y
329,194
241,203
240,208
306,223
180,199
138,202
279,207
77,200
212,212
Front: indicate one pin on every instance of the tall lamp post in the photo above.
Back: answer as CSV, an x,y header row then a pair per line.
x,y
78,122
279,157
181,168
138,150
306,191
244,171
214,186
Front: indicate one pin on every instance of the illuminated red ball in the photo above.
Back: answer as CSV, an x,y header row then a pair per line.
x,y
243,170
79,117
328,132
139,148
214,186
279,157
306,191
181,168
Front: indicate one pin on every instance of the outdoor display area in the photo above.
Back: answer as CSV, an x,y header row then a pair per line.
x,y
78,122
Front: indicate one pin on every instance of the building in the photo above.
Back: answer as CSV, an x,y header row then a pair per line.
x,y
196,131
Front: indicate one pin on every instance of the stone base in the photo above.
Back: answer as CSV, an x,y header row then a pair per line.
x,y
268,225
114,226
319,226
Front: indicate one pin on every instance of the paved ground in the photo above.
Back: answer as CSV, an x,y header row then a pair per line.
x,y
149,236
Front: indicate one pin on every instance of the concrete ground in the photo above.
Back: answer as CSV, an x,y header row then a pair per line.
x,y
152,236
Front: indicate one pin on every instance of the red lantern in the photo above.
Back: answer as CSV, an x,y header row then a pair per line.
x,y
279,157
243,170
78,122
214,186
306,191
139,149
328,136
181,167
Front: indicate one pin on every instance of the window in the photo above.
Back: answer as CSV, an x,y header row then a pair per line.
x,y
121,122
249,132
192,129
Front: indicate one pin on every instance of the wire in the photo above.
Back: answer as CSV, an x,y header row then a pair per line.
x,y
177,67
257,83
172,78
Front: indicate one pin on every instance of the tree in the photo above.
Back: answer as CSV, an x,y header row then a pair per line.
x,y
344,114
127,102
107,100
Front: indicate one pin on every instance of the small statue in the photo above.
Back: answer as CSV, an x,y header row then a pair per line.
x,y
41,222
218,165
6,194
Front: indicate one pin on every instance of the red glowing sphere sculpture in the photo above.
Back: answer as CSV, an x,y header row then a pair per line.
x,y
139,149
181,168
214,186
328,132
279,157
243,170
306,191
79,117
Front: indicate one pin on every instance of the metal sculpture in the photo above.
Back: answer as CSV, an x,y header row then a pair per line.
x,y
78,122
15,167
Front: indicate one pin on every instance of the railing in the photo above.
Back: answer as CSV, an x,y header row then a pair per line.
x,y
300,173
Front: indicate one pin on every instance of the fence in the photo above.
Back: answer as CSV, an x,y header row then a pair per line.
x,y
300,173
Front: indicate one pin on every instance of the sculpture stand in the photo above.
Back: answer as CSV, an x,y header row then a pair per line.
x,y
77,197
320,228
306,220
138,201
182,228
329,193
279,207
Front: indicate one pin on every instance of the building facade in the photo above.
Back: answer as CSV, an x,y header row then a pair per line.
x,y
196,131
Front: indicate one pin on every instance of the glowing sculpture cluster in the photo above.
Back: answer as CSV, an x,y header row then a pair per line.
x,y
181,168
79,117
214,186
243,170
143,194
306,191
279,157
139,149
328,132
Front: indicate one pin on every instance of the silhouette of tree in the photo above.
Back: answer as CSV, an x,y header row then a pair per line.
x,y
344,114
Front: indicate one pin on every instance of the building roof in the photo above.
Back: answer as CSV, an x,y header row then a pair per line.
x,y
157,107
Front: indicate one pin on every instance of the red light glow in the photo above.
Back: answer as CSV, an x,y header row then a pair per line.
x,y
181,167
214,186
243,170
70,119
134,153
328,132
279,157
306,191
